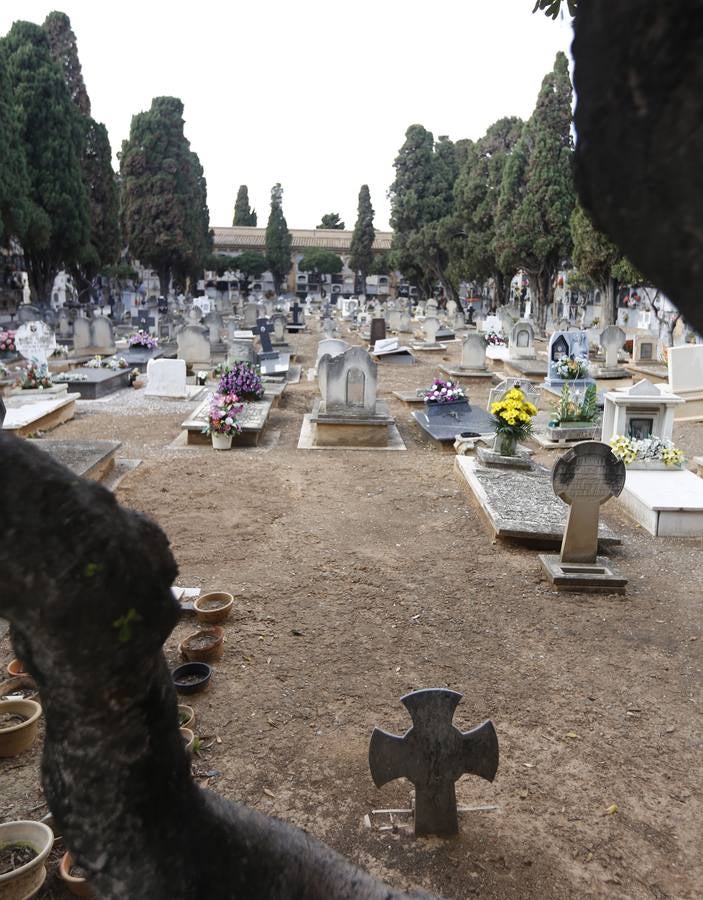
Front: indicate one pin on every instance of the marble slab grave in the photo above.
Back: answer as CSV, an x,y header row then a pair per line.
x,y
89,459
444,421
521,504
253,420
41,415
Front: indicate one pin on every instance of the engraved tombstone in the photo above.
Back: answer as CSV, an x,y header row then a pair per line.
x,y
585,478
82,334
473,352
521,343
430,328
36,342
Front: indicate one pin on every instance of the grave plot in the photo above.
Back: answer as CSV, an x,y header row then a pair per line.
x,y
252,419
92,384
520,504
89,459
40,415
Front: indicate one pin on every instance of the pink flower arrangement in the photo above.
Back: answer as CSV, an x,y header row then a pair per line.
x,y
142,340
494,339
7,341
443,392
222,416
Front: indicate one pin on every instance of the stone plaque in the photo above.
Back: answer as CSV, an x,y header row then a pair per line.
x,y
35,341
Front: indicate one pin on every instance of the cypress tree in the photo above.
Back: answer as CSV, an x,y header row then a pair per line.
x,y
537,194
164,196
278,239
64,49
14,181
243,214
363,237
58,227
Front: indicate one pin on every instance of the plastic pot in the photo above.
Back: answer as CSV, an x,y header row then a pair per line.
x,y
15,739
213,608
24,882
191,678
186,715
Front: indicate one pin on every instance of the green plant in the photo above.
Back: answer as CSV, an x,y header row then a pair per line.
x,y
573,406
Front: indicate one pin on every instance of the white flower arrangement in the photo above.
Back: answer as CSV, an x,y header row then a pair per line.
x,y
572,367
653,448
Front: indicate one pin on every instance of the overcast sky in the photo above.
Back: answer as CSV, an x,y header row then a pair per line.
x,y
315,94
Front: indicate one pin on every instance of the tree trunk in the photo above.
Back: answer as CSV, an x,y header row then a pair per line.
x,y
608,302
164,280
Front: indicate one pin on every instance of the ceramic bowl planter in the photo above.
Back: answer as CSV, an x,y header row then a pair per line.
x,y
191,678
25,880
77,884
213,608
204,645
186,716
16,668
19,721
188,739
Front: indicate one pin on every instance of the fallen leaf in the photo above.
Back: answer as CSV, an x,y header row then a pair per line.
x,y
611,810
269,793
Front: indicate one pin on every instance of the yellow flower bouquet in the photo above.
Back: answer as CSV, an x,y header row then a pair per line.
x,y
513,416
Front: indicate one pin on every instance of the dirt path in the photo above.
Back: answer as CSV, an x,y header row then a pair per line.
x,y
359,576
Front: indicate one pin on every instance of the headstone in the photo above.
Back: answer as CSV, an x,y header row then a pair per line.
x,y
263,330
686,369
193,344
278,321
102,336
213,322
645,350
166,378
28,313
433,755
522,341
570,345
241,350
492,324
82,334
430,327
394,320
297,319
250,315
585,478
331,346
532,395
35,341
378,331
639,412
473,352
348,383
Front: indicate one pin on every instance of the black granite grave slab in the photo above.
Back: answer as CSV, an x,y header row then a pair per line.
x,y
138,359
443,421
100,382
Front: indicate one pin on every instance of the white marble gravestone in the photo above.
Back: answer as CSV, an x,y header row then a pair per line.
x,y
102,336
331,347
430,327
166,378
532,395
36,342
640,412
348,383
645,350
569,344
521,344
193,344
473,352
82,334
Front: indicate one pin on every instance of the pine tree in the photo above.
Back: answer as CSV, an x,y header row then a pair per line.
x,y
243,214
361,249
58,228
164,195
278,239
537,194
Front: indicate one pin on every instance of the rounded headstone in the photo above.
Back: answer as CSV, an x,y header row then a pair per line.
x,y
589,471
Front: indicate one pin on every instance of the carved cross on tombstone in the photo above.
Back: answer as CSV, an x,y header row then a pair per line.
x,y
433,754
585,478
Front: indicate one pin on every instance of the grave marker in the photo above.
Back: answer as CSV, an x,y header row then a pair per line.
x,y
433,754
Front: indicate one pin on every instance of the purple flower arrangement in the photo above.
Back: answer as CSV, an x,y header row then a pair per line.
x,y
443,392
142,340
222,416
494,339
7,341
243,380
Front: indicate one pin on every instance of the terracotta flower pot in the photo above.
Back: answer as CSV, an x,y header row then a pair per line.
x,y
204,645
15,738
79,887
213,608
16,668
26,880
186,715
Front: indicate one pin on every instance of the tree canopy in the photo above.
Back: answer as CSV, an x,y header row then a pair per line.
x,y
278,239
14,180
164,195
537,192
243,213
57,229
331,221
64,49
361,248
321,261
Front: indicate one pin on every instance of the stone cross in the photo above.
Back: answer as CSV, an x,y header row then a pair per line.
x,y
585,478
433,754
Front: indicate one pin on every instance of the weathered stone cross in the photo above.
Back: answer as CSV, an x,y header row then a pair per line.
x,y
433,754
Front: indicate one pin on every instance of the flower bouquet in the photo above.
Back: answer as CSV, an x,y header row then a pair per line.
x,y
34,378
59,352
513,420
243,380
7,342
442,392
572,367
222,422
95,363
142,340
4,371
494,339
647,453
575,406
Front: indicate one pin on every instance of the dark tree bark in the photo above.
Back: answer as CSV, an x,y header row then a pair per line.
x,y
86,588
639,83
